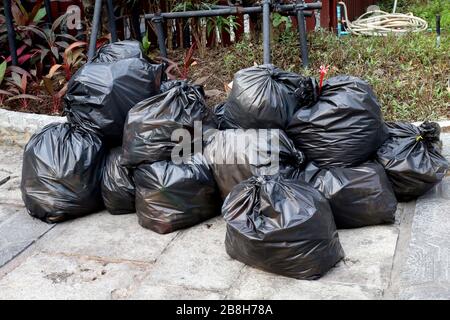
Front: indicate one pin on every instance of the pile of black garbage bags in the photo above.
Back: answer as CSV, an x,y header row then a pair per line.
x,y
286,163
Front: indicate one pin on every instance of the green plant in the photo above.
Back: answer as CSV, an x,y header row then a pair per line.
x,y
54,41
145,43
278,19
188,61
426,9
17,85
409,74
23,18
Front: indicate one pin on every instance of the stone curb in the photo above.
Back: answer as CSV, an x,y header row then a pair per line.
x,y
16,128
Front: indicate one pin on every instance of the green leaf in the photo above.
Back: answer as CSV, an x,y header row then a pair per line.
x,y
145,43
40,15
2,71
24,96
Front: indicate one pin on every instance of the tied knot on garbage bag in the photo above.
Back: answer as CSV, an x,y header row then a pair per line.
x,y
430,132
412,158
281,226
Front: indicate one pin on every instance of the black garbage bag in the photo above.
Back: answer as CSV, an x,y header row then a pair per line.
x,y
344,128
236,155
118,190
62,172
281,226
220,120
266,97
119,50
150,124
174,196
412,158
100,95
359,196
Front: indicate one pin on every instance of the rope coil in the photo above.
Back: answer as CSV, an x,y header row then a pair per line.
x,y
381,23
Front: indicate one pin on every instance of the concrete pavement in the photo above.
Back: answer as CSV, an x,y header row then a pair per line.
x,y
101,256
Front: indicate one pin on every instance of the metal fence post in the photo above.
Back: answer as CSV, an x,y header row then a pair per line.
x,y
266,31
158,21
301,22
48,10
10,30
111,20
95,27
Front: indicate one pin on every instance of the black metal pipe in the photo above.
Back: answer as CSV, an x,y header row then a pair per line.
x,y
301,22
266,31
135,21
186,33
48,10
111,20
95,27
205,13
438,30
294,13
230,11
11,32
158,21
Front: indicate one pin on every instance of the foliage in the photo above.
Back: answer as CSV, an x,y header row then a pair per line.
x,y
187,63
47,56
408,73
204,28
425,9
145,43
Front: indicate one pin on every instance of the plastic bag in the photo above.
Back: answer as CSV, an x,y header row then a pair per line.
x,y
118,51
61,173
344,128
266,97
100,95
118,190
171,197
281,226
150,124
236,155
219,117
359,196
412,158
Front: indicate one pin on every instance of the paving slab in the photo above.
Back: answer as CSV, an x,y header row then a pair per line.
x,y
156,291
256,284
45,276
17,233
114,237
369,254
446,144
197,259
10,166
10,160
10,192
426,272
7,211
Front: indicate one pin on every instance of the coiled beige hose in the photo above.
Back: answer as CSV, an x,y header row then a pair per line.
x,y
381,23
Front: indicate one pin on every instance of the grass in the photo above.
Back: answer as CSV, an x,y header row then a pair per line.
x,y
426,9
408,73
